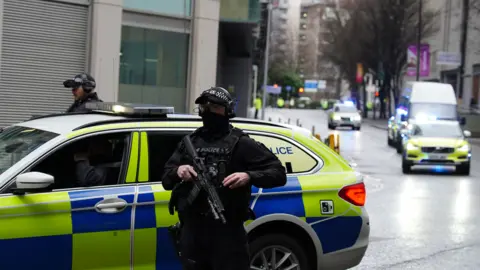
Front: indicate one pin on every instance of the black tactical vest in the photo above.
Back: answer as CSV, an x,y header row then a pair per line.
x,y
217,154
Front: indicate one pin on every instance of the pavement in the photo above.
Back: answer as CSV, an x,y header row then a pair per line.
x,y
420,221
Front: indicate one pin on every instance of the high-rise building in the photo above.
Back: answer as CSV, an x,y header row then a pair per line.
x,y
312,66
285,22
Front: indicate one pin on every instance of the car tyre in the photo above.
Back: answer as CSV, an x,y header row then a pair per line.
x,y
330,126
399,147
463,169
389,141
406,167
281,242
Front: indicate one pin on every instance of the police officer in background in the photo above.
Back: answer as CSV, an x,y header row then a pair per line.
x,y
83,86
238,163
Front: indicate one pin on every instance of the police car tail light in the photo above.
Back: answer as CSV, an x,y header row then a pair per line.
x,y
129,109
354,194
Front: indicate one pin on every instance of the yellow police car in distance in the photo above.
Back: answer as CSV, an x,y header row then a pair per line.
x,y
316,221
437,142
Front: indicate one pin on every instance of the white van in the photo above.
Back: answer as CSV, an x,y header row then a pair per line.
x,y
429,101
422,101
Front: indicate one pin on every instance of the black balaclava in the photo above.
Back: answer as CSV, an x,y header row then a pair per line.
x,y
213,122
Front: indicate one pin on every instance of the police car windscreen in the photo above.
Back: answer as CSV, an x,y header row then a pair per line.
x,y
17,142
347,109
437,130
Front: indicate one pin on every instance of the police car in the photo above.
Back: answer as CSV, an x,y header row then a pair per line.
x,y
344,115
436,142
316,221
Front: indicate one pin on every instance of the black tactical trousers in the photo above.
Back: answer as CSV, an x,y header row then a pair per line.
x,y
208,244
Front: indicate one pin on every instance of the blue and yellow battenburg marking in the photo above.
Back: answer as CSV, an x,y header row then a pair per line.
x,y
62,230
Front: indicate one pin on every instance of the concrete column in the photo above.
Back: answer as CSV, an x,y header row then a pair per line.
x,y
203,66
105,47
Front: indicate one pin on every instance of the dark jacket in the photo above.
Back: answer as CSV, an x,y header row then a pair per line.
x,y
249,156
79,105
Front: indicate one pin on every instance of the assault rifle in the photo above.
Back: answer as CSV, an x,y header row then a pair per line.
x,y
204,182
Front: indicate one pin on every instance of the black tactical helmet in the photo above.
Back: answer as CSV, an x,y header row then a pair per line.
x,y
84,80
219,96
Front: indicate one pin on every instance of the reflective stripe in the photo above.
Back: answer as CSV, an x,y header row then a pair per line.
x,y
88,130
35,215
143,172
172,124
133,162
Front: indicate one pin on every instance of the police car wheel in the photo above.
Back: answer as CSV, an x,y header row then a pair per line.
x,y
277,251
406,167
389,141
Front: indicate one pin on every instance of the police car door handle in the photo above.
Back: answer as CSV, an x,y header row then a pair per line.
x,y
111,205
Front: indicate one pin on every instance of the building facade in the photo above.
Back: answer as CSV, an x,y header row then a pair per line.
x,y
148,51
312,64
285,23
448,39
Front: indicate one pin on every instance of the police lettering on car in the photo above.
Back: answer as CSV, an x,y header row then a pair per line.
x,y
231,162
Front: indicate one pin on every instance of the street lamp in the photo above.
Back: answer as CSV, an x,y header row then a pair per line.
x,y
265,70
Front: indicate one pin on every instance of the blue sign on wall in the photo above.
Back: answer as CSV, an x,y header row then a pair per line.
x,y
288,88
311,85
274,90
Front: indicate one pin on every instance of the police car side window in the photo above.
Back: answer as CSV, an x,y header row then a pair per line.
x,y
105,150
288,153
161,146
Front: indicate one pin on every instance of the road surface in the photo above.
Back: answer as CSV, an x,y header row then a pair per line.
x,y
418,221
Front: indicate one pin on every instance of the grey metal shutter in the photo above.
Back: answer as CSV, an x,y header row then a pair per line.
x,y
43,44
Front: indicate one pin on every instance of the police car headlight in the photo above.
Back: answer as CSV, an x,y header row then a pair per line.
x,y
464,148
336,117
411,146
357,118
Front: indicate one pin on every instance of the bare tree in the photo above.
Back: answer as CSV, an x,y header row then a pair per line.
x,y
377,34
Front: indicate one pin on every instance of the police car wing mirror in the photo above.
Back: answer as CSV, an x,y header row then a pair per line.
x,y
467,133
33,182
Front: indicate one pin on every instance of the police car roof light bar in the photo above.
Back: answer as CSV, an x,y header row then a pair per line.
x,y
130,109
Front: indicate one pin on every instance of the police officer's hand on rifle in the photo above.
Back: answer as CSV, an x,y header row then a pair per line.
x,y
211,174
186,173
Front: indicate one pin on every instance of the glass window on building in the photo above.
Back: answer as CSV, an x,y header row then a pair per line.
x,y
169,7
153,67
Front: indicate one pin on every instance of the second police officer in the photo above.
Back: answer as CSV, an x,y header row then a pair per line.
x,y
83,87
238,162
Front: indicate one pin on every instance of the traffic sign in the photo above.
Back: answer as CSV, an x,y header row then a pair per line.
x,y
274,90
288,88
311,85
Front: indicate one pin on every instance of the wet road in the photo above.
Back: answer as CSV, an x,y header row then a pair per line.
x,y
418,221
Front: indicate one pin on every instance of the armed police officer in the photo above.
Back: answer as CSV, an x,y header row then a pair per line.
x,y
83,87
233,163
